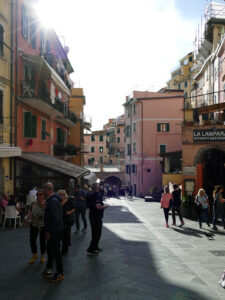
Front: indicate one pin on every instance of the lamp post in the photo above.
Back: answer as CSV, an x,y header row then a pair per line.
x,y
101,160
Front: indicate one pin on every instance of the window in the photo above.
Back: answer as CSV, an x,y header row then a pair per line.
x,y
1,40
92,138
134,127
165,127
128,149
178,86
33,33
118,130
190,58
30,125
118,140
134,168
92,149
128,169
47,50
127,131
42,43
24,23
60,136
1,107
162,149
101,149
134,147
43,129
101,138
185,84
134,109
185,95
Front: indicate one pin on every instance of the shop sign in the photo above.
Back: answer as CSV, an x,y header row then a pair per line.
x,y
209,135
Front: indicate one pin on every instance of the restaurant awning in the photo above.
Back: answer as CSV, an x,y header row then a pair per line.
x,y
7,151
91,178
55,164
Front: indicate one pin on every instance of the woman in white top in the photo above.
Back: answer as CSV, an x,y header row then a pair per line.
x,y
202,203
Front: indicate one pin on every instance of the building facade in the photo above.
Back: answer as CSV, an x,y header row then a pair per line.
x,y
95,144
152,127
8,150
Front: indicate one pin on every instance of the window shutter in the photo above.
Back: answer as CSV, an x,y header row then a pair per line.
x,y
24,23
34,126
43,129
167,126
158,126
1,40
27,124
33,35
58,135
1,107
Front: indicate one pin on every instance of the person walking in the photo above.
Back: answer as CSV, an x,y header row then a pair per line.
x,y
177,205
218,206
54,229
166,199
96,212
80,208
37,226
202,206
68,220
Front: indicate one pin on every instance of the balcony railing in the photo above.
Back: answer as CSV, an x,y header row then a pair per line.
x,y
65,150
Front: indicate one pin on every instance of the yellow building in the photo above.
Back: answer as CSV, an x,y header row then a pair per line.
x,y
7,149
77,102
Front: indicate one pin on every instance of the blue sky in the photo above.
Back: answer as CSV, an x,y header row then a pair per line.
x,y
117,46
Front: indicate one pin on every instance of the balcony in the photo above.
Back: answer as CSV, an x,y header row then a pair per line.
x,y
65,150
87,122
68,118
36,95
85,149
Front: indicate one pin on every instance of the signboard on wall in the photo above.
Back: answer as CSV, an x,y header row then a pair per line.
x,y
209,135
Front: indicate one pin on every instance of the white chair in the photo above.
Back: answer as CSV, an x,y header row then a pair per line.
x,y
11,213
30,199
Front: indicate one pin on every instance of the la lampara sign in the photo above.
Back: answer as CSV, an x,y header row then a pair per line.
x,y
209,135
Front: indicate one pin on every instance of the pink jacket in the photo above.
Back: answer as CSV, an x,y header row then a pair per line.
x,y
165,200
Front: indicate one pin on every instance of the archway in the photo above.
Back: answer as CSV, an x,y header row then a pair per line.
x,y
212,164
113,180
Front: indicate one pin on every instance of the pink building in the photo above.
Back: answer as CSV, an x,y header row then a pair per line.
x,y
96,144
152,127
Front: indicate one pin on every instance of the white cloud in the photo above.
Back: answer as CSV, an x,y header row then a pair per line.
x,y
118,44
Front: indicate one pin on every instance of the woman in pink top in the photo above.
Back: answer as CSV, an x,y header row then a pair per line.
x,y
165,203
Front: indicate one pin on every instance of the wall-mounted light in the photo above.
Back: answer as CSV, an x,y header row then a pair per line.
x,y
6,178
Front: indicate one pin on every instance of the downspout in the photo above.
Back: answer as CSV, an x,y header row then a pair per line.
x,y
142,144
131,148
16,72
11,77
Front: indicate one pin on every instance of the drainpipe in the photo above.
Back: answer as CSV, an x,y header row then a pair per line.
x,y
131,151
142,143
11,78
16,72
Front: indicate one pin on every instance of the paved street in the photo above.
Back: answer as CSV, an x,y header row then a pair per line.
x,y
141,260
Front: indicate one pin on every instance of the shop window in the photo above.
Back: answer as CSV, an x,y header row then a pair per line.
x,y
101,138
43,129
30,125
165,127
92,149
92,138
162,149
60,136
1,40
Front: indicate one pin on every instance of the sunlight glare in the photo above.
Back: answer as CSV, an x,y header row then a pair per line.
x,y
47,19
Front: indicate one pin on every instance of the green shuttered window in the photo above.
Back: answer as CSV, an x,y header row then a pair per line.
x,y
30,125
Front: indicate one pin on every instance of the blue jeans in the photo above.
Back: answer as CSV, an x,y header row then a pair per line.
x,y
217,213
203,216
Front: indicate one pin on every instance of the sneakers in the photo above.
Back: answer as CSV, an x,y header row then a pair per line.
x,y
215,228
33,258
182,224
167,225
92,253
174,224
99,250
84,229
57,277
47,273
42,259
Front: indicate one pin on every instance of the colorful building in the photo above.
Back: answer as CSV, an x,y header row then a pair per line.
x,y
203,139
8,150
95,145
43,118
152,127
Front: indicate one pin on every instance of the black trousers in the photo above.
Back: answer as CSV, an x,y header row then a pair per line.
x,y
54,253
80,211
96,231
166,213
33,239
178,210
66,240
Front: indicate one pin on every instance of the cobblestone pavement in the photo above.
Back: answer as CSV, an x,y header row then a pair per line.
x,y
141,260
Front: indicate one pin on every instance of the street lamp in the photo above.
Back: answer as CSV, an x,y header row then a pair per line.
x,y
101,159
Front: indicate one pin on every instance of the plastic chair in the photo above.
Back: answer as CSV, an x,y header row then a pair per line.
x,y
11,213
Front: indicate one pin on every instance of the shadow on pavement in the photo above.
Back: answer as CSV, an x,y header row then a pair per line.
x,y
127,268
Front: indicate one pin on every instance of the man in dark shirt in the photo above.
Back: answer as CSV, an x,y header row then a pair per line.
x,y
53,228
95,215
177,204
80,208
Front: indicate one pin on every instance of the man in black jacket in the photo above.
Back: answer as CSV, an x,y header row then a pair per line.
x,y
53,228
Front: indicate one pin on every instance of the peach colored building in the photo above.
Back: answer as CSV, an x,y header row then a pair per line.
x,y
96,145
152,127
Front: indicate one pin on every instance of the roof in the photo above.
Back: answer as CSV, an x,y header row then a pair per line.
x,y
55,164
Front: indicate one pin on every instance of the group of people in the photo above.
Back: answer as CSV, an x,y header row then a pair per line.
x,y
172,201
51,217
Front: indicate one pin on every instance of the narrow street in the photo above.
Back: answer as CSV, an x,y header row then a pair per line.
x,y
141,260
